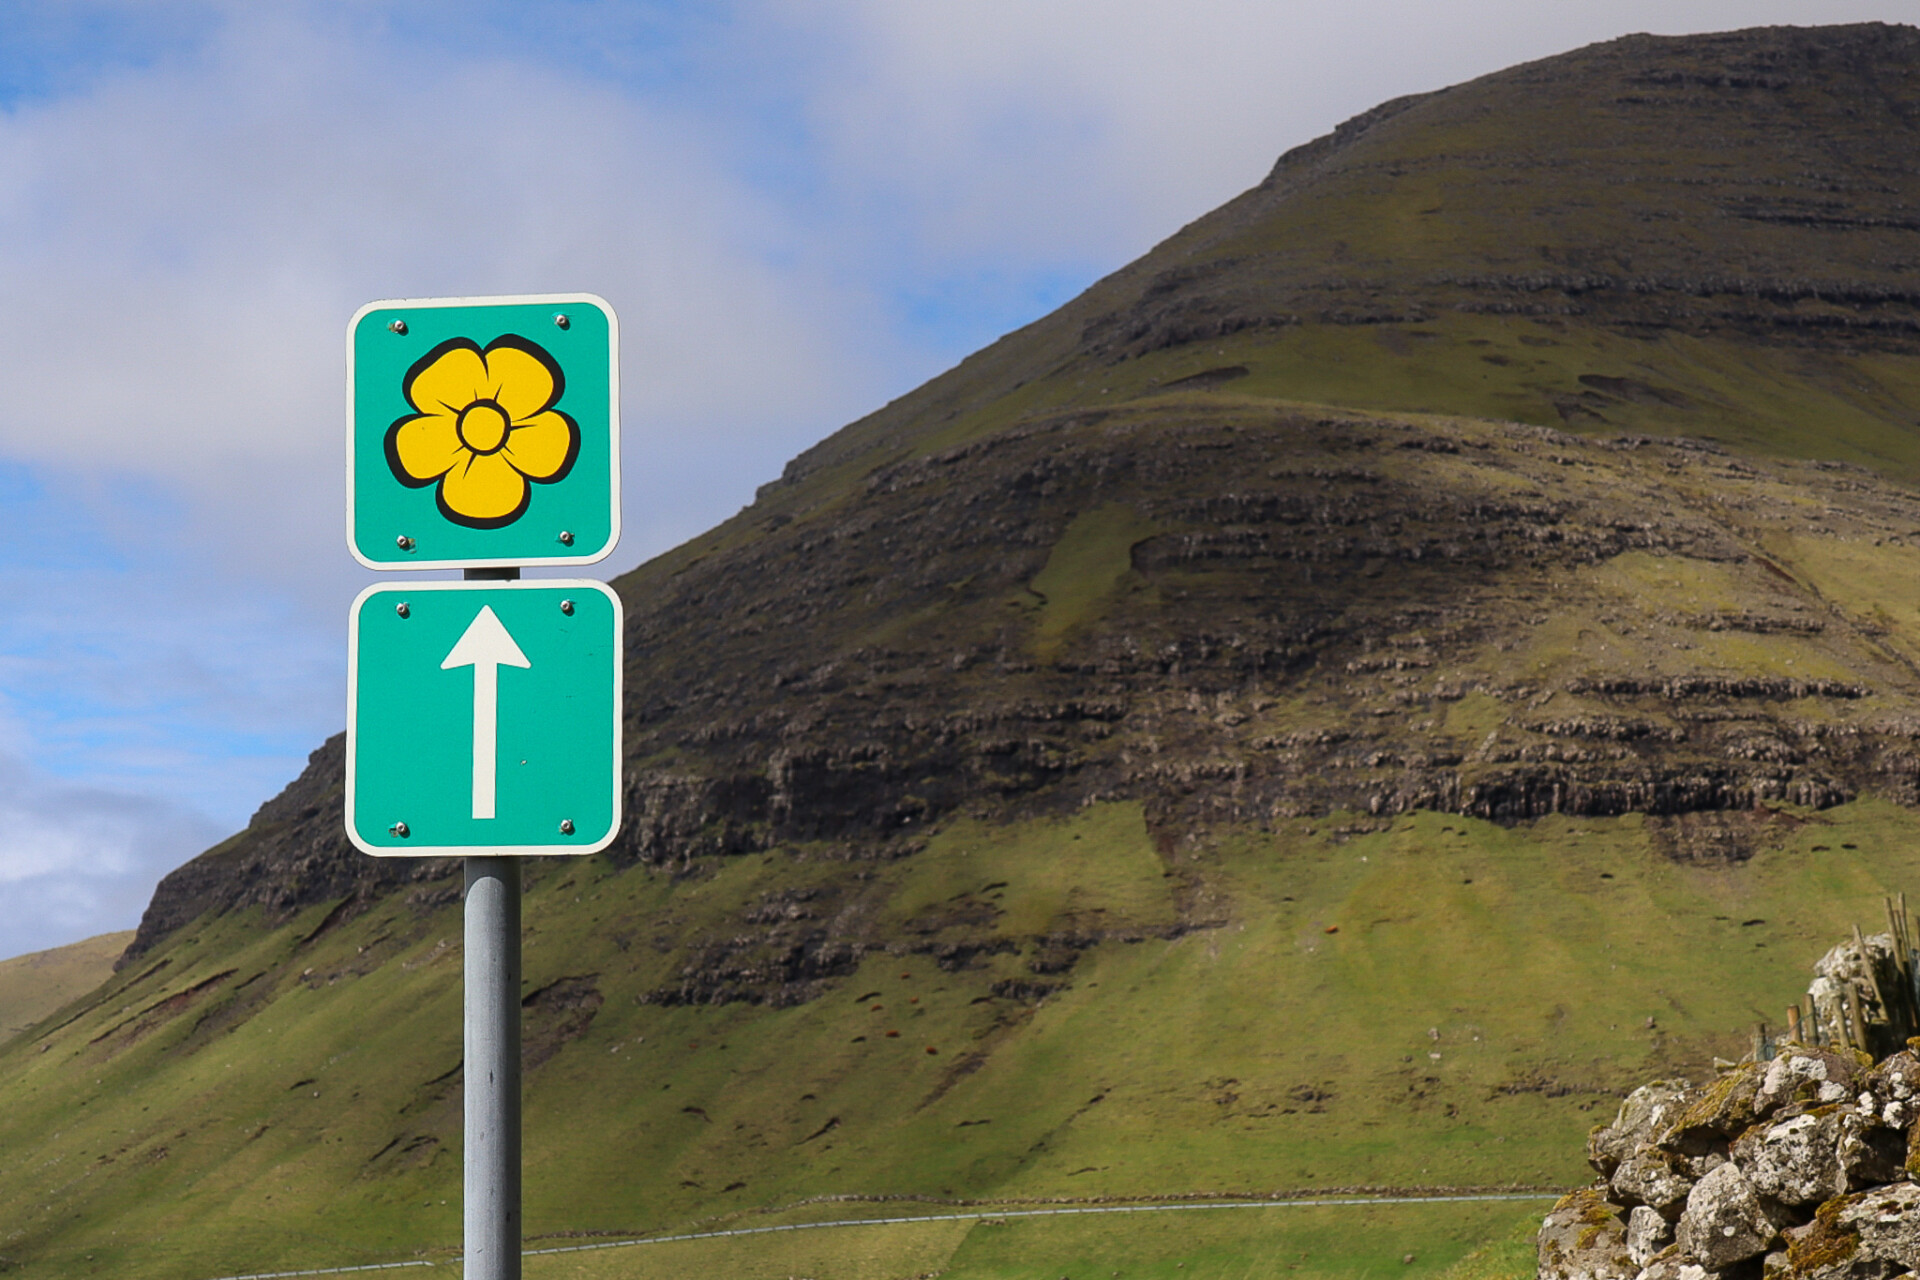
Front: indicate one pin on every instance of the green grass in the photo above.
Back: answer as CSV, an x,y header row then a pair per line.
x,y
1850,407
1330,1002
1092,560
842,1253
1094,869
1209,1010
33,986
1513,1256
1267,1052
1284,1242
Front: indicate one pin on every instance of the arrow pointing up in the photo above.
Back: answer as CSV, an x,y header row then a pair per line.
x,y
486,647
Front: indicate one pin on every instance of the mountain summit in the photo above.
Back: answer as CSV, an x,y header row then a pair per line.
x,y
1430,643
1676,250
1673,205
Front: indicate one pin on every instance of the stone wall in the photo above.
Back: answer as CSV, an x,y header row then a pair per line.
x,y
1798,1164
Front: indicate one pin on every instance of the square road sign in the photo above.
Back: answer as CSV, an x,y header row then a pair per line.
x,y
484,718
483,432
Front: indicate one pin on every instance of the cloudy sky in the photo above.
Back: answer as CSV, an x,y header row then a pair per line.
x,y
799,208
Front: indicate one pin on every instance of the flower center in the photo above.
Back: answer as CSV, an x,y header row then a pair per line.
x,y
482,426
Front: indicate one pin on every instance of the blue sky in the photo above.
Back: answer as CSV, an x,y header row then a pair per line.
x,y
800,209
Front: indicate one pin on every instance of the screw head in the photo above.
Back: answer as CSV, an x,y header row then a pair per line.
x,y
566,607
566,826
403,609
398,326
403,542
399,829
566,537
560,321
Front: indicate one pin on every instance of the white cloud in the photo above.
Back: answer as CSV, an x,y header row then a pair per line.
x,y
799,212
190,241
186,239
1091,129
78,860
183,244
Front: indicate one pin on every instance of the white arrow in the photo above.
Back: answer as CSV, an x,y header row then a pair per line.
x,y
486,647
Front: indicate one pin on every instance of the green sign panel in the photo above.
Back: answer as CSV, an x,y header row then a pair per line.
x,y
483,718
483,432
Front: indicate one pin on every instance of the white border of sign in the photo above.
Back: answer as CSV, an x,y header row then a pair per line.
x,y
613,427
486,850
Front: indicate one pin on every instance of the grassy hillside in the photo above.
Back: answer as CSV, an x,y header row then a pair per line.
x,y
1427,648
33,986
1431,1001
1207,1242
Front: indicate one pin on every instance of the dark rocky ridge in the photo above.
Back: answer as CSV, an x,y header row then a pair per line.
x,y
1296,606
1236,612
1771,128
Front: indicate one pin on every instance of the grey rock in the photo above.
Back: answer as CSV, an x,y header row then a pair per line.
x,y
1897,1079
1647,1111
1795,1168
1796,1161
1724,1222
1870,1153
1706,1156
1887,1220
1808,1077
1584,1238
1647,1234
1652,1177
1673,1267
1606,1148
1845,965
1711,1116
1870,1235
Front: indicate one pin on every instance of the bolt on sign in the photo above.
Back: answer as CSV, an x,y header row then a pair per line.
x,y
483,718
483,432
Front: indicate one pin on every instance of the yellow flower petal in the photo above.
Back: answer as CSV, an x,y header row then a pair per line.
x,y
518,379
543,447
483,492
423,448
450,378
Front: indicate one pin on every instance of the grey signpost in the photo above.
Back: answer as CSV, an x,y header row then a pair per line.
x,y
492,1088
483,716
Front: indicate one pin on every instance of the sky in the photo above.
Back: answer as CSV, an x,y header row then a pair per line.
x,y
800,209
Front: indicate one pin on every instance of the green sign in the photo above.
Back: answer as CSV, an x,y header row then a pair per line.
x,y
483,718
483,432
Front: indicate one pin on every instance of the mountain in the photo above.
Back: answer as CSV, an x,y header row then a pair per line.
x,y
32,986
1428,645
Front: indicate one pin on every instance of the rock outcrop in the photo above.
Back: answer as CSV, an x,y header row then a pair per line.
x,y
1794,1167
1270,643
1798,1164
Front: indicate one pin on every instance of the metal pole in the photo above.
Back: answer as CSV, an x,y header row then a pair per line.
x,y
492,1077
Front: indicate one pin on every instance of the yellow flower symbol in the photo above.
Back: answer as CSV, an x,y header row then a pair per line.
x,y
484,426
